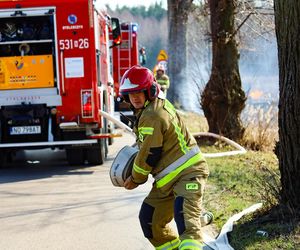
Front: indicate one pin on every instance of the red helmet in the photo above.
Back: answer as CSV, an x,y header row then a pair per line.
x,y
138,79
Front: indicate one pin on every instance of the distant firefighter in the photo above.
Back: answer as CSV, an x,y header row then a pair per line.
x,y
162,79
143,57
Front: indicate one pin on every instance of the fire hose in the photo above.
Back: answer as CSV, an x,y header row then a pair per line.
x,y
240,149
119,174
114,120
123,162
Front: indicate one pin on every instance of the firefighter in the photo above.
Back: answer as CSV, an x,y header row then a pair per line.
x,y
162,79
143,56
170,153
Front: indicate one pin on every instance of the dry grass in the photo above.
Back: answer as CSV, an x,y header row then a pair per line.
x,y
261,126
194,121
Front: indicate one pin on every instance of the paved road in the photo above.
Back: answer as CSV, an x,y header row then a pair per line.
x,y
46,204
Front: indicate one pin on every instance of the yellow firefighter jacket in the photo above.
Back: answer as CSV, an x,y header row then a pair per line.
x,y
166,148
163,81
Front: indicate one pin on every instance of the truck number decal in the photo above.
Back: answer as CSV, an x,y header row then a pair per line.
x,y
81,43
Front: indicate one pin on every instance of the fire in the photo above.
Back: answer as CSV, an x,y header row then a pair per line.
x,y
256,94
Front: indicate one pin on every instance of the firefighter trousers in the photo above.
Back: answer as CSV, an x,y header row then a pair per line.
x,y
183,202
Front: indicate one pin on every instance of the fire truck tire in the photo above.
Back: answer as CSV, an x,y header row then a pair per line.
x,y
110,140
3,158
96,155
10,156
75,156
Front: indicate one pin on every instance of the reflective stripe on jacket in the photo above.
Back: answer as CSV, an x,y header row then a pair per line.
x,y
190,158
165,146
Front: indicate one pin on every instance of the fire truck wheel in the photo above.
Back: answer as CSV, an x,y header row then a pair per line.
x,y
75,156
96,154
3,158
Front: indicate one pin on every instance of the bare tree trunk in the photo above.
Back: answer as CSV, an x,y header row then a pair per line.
x,y
178,11
223,98
287,16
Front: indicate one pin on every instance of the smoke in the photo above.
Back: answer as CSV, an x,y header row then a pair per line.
x,y
259,70
258,63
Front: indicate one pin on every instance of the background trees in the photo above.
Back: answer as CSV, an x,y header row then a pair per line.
x,y
189,46
178,13
251,25
223,98
287,14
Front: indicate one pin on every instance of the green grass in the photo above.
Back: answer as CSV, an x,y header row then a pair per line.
x,y
237,182
232,185
280,236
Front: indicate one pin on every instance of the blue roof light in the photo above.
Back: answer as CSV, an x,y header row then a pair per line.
x,y
134,28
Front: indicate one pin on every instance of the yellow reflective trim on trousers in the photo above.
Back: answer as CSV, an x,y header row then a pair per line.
x,y
169,245
169,177
140,170
146,130
180,136
190,245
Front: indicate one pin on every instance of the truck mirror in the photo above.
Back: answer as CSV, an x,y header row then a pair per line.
x,y
116,32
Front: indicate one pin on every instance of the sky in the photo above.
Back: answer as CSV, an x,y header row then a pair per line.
x,y
131,3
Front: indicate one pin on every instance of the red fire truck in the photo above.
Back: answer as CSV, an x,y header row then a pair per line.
x,y
55,78
125,56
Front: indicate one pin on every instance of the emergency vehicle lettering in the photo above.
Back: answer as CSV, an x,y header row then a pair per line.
x,y
81,43
73,27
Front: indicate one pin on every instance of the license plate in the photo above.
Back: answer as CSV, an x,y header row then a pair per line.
x,y
25,130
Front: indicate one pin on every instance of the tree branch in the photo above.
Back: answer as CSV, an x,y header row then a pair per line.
x,y
247,17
